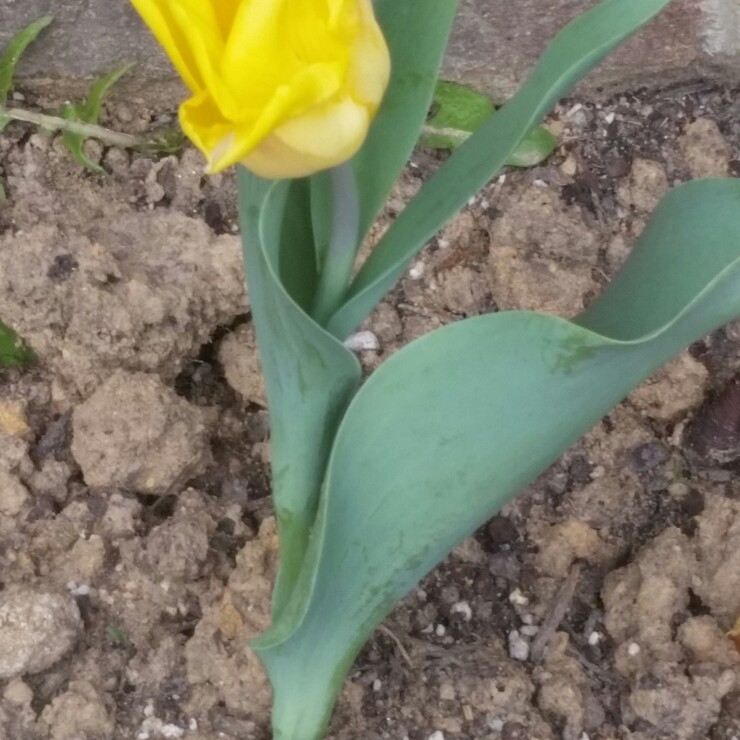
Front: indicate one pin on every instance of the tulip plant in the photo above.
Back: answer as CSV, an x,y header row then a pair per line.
x,y
320,103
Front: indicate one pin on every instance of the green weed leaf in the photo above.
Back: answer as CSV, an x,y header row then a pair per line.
x,y
13,352
88,111
166,142
12,55
458,111
456,108
534,149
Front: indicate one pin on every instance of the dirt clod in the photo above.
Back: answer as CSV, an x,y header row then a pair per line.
x,y
79,714
36,630
135,433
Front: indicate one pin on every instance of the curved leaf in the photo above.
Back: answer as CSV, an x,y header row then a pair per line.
x,y
309,375
451,427
415,68
14,51
575,50
88,111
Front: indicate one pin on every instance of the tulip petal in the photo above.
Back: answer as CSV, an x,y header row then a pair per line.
x,y
312,87
255,43
273,159
333,131
371,63
203,123
197,22
225,11
316,141
156,14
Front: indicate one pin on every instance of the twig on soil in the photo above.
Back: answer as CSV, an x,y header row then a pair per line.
x,y
401,649
558,610
89,130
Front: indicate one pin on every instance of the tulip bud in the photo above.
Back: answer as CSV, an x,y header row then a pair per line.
x,y
286,87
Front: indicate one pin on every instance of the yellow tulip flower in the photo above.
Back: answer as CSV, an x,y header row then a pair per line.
x,y
286,87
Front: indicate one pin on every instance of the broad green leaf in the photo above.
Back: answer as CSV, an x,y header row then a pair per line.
x,y
534,149
575,50
12,55
456,108
458,111
13,353
452,426
309,375
88,111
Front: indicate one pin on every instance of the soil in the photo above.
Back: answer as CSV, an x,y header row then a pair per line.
x,y
137,546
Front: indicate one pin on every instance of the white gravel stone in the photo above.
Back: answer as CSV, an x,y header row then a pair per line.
x,y
518,646
36,630
363,341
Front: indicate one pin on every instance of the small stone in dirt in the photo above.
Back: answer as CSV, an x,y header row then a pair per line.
x,y
178,548
362,341
518,646
462,608
386,323
13,418
18,692
673,391
648,456
36,630
513,731
706,151
502,530
137,434
693,503
79,714
713,435
645,187
13,495
240,361
617,164
564,543
517,598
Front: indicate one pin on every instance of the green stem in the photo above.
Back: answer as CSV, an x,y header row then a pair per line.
x,y
340,258
56,123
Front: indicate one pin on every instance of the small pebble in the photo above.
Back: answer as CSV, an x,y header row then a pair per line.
x,y
494,723
436,736
416,271
172,731
529,630
440,631
595,638
633,649
463,608
518,646
517,598
363,341
377,684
